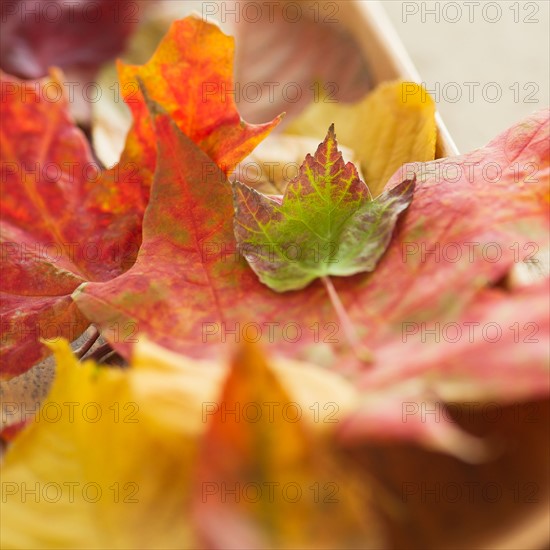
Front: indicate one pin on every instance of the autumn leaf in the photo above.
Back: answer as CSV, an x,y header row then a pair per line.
x,y
188,264
435,364
393,125
199,57
290,490
488,206
165,453
277,160
76,37
326,224
202,291
88,453
64,35
475,388
88,449
63,220
509,329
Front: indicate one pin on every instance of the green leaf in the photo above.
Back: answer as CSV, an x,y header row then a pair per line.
x,y
326,223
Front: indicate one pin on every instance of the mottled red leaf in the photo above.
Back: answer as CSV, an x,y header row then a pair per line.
x,y
188,265
63,220
89,220
189,275
495,352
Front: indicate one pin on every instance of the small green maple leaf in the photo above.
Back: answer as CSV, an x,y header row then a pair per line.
x,y
327,222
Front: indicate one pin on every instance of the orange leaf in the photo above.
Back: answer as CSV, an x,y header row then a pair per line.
x,y
264,480
191,76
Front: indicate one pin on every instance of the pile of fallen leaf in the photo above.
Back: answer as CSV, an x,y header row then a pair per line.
x,y
265,360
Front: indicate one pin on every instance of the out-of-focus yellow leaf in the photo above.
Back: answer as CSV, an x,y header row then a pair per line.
x,y
393,125
108,459
99,467
265,481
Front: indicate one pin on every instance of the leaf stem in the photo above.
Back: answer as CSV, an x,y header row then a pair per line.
x,y
359,350
85,347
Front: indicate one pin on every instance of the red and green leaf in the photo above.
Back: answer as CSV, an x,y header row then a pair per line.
x,y
326,223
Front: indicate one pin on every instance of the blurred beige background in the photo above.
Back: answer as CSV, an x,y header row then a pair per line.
x,y
512,53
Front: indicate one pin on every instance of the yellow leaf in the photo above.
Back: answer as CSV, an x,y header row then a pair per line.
x,y
391,126
109,458
98,467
